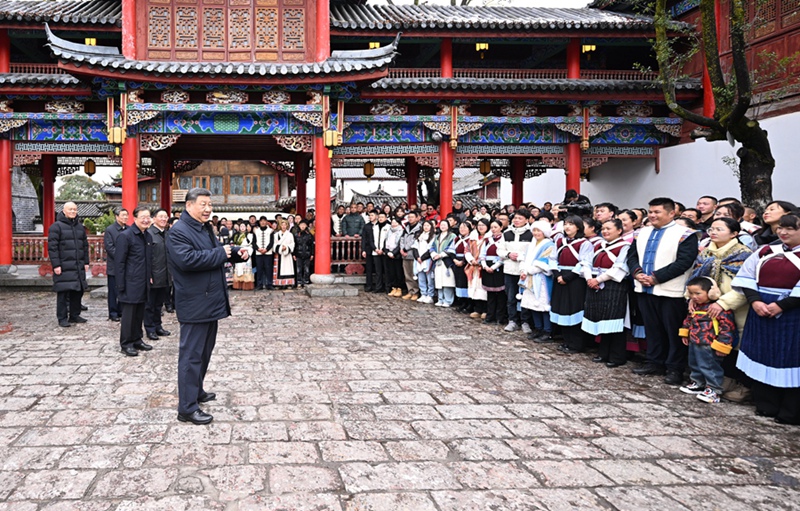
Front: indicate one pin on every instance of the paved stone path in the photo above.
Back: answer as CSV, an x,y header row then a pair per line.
x,y
369,404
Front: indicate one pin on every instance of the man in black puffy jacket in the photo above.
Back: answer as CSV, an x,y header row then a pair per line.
x,y
133,262
68,250
159,288
303,253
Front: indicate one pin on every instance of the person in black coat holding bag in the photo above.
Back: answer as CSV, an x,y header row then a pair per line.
x,y
161,282
134,276
68,250
197,263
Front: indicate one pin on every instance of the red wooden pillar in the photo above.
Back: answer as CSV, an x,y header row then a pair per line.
x,y
412,178
446,57
322,166
5,51
129,32
167,167
574,166
517,180
447,165
48,166
323,34
6,226
300,175
574,59
130,175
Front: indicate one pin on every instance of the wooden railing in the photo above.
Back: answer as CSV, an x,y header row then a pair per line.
x,y
41,69
521,74
31,250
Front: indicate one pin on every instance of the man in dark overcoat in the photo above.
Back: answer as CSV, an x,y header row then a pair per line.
x,y
159,288
197,263
110,244
68,250
134,274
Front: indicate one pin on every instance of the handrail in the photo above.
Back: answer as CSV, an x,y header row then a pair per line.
x,y
522,74
35,68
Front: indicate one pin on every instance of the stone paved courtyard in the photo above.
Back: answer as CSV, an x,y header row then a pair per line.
x,y
366,404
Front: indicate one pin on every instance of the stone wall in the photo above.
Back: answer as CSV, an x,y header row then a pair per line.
x,y
24,201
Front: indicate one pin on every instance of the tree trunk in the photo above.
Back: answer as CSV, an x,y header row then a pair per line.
x,y
755,163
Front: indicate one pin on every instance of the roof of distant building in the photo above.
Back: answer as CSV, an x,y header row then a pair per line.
x,y
39,80
63,12
536,84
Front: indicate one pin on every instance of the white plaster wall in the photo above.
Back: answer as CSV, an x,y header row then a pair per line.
x,y
687,172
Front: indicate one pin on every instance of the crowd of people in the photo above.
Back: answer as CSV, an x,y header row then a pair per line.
x,y
715,288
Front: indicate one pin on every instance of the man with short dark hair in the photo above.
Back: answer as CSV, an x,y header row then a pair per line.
x,y
161,279
706,205
368,249
197,262
660,260
458,210
604,212
692,214
409,236
110,245
68,250
263,254
134,273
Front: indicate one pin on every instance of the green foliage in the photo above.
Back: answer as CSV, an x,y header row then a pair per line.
x,y
78,187
100,224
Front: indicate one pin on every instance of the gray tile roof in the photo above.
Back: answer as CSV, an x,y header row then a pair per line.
x,y
537,85
63,12
38,80
109,58
468,18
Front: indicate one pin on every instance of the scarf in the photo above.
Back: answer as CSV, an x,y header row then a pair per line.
x,y
714,262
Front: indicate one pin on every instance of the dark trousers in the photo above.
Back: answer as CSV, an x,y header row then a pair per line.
x,y
303,270
130,328
512,290
264,264
496,306
777,402
152,313
663,317
575,337
380,273
369,270
394,273
612,347
194,354
68,304
113,305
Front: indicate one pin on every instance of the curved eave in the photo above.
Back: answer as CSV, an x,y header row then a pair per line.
x,y
218,79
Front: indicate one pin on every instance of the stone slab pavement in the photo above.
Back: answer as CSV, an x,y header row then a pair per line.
x,y
362,404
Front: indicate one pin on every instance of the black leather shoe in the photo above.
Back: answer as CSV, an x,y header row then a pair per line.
x,y
169,310
64,323
198,417
598,359
84,308
142,346
568,350
162,332
649,370
208,397
674,378
77,319
612,365
114,318
544,338
152,336
130,351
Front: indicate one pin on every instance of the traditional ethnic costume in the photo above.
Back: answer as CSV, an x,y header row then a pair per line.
x,y
493,282
460,251
770,348
284,263
243,272
567,302
606,311
538,286
443,276
475,285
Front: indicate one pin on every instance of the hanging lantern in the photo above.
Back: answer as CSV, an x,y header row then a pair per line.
x,y
369,170
485,168
481,47
373,45
89,167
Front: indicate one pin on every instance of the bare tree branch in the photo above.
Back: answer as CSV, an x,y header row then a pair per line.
x,y
744,88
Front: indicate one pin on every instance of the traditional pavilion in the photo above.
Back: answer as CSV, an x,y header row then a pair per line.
x,y
301,86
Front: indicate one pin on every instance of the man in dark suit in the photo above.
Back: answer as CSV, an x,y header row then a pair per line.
x,y
161,281
368,248
197,263
110,242
134,276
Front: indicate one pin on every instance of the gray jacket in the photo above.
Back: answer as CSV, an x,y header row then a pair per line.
x,y
408,239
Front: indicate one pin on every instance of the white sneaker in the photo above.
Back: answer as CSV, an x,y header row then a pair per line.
x,y
526,328
511,327
440,304
445,305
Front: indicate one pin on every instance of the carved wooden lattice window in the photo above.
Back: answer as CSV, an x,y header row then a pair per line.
x,y
228,30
